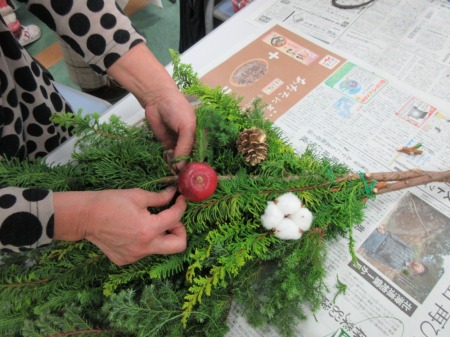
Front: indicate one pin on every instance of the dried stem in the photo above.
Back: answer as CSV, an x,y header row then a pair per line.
x,y
78,332
109,135
407,181
387,181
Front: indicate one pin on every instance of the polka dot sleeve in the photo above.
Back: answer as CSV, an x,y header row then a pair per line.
x,y
26,219
96,29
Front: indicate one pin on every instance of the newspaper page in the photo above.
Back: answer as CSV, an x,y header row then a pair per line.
x,y
410,39
358,115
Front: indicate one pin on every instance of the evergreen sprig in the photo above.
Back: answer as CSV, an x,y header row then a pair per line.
x,y
230,255
71,323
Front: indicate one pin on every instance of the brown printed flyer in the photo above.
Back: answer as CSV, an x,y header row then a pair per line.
x,y
280,67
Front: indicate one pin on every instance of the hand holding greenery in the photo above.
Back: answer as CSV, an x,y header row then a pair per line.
x,y
74,289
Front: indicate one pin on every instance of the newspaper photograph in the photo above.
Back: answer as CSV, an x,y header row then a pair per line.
x,y
280,68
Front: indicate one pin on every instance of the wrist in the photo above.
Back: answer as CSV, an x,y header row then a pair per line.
x,y
71,211
143,75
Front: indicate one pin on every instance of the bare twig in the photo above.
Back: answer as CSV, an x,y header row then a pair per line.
x,y
424,178
386,181
411,150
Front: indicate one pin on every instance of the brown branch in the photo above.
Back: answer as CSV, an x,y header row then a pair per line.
x,y
25,284
387,181
410,151
109,135
73,333
168,181
425,178
400,175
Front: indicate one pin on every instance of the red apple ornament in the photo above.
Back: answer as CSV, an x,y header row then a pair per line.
x,y
197,182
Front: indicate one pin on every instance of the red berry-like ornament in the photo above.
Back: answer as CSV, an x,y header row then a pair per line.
x,y
197,182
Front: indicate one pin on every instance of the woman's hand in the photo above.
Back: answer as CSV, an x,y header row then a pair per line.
x,y
167,110
173,122
119,223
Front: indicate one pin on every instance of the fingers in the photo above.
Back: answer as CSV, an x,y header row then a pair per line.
x,y
153,199
171,242
167,219
161,233
172,238
132,232
186,133
167,243
178,136
184,146
173,122
165,136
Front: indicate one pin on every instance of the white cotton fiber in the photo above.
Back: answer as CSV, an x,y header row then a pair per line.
x,y
288,203
303,218
287,230
272,216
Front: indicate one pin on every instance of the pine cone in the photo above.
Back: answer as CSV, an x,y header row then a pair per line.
x,y
252,145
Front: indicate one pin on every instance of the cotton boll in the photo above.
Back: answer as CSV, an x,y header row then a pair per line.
x,y
289,203
303,218
272,216
287,230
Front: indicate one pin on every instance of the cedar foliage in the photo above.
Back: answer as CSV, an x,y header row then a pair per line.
x,y
73,289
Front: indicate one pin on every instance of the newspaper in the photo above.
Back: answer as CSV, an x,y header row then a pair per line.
x,y
360,115
410,39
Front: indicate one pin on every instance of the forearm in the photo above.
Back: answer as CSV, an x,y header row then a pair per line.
x,y
142,74
70,209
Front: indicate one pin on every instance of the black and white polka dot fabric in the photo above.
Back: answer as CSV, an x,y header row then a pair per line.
x,y
96,29
100,33
25,228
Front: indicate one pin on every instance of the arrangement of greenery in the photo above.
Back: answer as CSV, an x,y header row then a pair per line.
x,y
72,289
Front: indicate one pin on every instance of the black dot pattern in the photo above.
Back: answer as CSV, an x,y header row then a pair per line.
x,y
98,31
27,218
93,28
28,99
